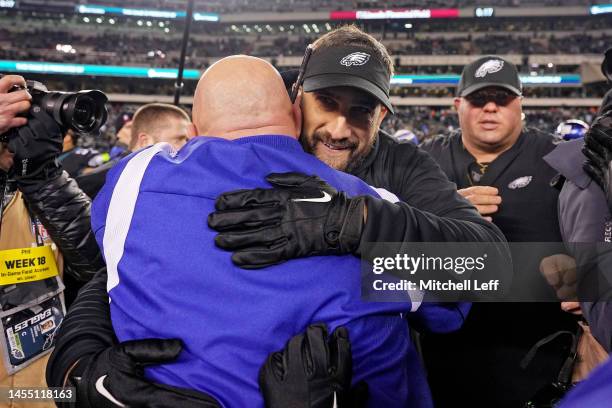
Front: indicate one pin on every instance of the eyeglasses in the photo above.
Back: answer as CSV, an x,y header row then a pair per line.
x,y
500,97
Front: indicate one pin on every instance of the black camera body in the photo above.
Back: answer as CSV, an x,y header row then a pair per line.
x,y
83,111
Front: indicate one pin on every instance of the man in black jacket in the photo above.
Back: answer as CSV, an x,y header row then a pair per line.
x,y
341,121
498,166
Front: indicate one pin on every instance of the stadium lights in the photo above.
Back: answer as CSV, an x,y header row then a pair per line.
x,y
387,14
161,24
98,9
149,24
111,20
139,22
407,25
143,72
86,19
63,47
601,9
99,20
167,30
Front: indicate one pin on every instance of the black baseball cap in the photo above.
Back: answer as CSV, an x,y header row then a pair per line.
x,y
353,66
122,119
489,71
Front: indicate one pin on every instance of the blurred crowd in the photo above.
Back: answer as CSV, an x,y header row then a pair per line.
x,y
119,48
125,42
424,121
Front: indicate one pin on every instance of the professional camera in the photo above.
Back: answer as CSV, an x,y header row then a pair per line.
x,y
83,111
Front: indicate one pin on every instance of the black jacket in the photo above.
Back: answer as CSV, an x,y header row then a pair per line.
x,y
528,209
430,211
65,212
433,211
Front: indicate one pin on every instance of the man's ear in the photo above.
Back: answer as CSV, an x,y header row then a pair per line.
x,y
456,103
383,112
192,131
297,113
144,140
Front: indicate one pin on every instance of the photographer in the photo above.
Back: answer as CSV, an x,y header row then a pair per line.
x,y
41,211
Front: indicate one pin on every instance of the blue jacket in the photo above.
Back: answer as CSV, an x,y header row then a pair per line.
x,y
167,279
594,392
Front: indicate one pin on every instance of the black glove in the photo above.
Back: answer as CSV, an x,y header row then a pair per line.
x,y
310,372
598,150
301,216
36,146
115,378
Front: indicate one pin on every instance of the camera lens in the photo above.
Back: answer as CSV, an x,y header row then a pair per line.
x,y
83,114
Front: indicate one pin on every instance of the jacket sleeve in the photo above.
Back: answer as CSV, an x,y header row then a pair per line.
x,y
64,210
85,331
431,210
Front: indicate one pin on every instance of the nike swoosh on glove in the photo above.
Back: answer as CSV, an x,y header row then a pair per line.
x,y
115,378
300,216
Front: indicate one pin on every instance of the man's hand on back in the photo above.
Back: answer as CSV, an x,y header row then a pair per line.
x,y
301,216
115,378
312,371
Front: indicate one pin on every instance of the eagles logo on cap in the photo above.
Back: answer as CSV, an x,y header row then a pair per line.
x,y
349,66
489,67
356,58
489,71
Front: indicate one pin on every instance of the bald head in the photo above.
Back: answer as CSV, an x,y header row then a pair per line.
x,y
243,96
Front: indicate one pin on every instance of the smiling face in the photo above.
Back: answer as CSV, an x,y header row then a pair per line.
x,y
489,126
340,125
